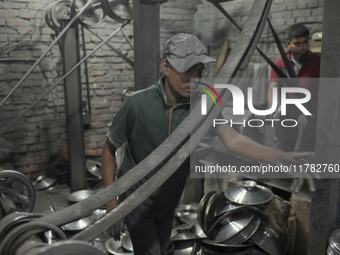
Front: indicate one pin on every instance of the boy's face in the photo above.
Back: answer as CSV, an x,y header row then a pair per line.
x,y
180,82
298,45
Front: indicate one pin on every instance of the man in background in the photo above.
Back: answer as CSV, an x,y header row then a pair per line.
x,y
306,65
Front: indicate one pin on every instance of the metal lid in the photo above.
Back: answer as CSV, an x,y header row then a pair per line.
x,y
249,194
44,182
94,167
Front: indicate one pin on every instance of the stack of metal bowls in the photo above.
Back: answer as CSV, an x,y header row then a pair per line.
x,y
234,224
186,236
334,243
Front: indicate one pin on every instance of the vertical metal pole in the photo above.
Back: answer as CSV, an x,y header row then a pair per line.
x,y
146,42
73,104
325,207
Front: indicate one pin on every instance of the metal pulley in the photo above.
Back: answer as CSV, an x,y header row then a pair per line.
x,y
92,15
25,232
119,10
55,12
13,220
16,189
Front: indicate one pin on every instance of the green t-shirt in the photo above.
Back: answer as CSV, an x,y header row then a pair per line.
x,y
144,121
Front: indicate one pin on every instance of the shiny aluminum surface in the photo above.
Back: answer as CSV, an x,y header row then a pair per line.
x,y
202,208
229,225
126,242
115,247
218,205
267,239
80,195
249,193
94,167
44,182
245,233
80,224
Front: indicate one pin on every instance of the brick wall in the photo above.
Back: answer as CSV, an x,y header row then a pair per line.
x,y
40,135
24,36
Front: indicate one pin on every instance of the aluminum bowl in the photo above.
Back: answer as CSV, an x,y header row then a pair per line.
x,y
245,233
267,240
44,182
218,205
229,224
249,193
185,247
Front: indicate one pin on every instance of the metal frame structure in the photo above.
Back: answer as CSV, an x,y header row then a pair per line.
x,y
146,42
74,109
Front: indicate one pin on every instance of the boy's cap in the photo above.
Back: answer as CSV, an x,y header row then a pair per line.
x,y
185,50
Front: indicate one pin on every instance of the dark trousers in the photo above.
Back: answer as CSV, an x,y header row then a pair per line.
x,y
150,236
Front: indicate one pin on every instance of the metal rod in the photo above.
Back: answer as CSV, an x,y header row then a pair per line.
x,y
129,61
62,78
17,60
45,52
127,39
86,72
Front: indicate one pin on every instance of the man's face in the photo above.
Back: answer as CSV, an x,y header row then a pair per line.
x,y
299,45
180,82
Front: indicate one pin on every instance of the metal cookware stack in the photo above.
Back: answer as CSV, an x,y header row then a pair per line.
x,y
334,243
234,224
